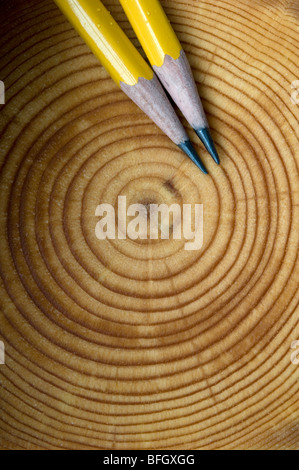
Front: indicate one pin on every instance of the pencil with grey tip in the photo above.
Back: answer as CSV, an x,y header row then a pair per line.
x,y
170,63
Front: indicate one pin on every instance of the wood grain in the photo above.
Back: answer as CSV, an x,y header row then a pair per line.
x,y
139,345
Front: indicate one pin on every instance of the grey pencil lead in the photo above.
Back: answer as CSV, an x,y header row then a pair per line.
x,y
206,138
190,151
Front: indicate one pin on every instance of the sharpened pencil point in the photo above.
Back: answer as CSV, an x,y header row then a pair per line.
x,y
189,150
206,138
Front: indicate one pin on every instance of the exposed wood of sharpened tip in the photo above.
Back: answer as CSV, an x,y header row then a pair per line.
x,y
176,76
151,98
137,345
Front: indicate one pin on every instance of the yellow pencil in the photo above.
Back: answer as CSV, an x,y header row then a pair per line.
x,y
170,63
127,67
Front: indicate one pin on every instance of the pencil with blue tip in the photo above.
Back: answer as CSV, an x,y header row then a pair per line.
x,y
170,63
127,67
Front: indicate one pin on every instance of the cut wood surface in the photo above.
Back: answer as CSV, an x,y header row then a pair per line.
x,y
122,344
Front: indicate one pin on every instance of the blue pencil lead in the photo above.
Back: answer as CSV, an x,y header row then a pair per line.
x,y
206,138
189,150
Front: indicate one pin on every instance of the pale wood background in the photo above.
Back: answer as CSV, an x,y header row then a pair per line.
x,y
130,345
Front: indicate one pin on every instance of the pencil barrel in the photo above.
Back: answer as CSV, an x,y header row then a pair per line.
x,y
106,40
153,29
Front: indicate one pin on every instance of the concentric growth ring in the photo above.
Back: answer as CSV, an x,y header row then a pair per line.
x,y
142,344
